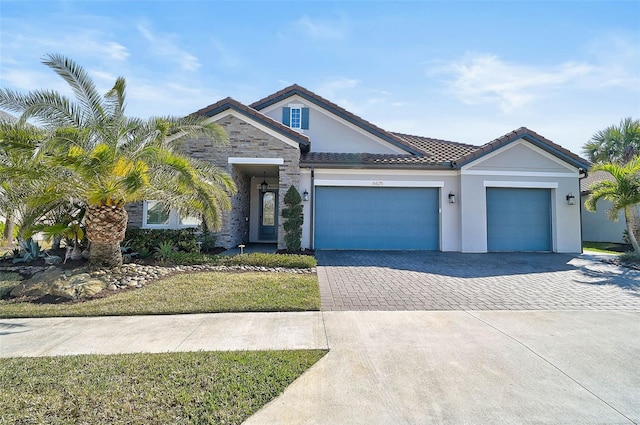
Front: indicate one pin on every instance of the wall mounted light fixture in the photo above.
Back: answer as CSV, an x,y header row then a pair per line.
x,y
264,185
571,200
305,195
452,198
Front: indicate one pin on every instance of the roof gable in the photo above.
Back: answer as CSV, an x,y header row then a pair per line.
x,y
530,136
332,108
230,103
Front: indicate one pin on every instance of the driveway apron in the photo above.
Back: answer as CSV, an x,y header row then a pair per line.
x,y
423,280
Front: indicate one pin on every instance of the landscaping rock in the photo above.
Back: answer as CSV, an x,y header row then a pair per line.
x,y
56,282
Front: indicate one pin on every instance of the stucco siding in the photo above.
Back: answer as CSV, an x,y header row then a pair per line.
x,y
565,219
520,156
597,227
330,133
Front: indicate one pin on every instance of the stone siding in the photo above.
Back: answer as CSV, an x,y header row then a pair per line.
x,y
246,141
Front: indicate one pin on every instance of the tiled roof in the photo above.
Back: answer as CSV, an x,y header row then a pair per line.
x,y
230,103
368,159
438,150
592,178
335,109
530,136
421,151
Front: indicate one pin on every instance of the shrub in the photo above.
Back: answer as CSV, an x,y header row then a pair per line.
x,y
293,219
191,258
271,260
147,240
207,241
163,251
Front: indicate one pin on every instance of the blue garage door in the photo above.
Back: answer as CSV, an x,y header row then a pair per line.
x,y
518,219
376,218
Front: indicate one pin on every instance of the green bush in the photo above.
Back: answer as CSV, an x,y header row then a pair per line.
x,y
191,258
292,261
207,241
147,240
293,219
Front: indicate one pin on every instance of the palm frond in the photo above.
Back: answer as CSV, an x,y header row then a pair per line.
x,y
80,82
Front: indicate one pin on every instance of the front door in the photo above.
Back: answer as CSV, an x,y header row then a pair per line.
x,y
268,229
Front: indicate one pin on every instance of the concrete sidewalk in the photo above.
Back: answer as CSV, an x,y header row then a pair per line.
x,y
187,332
423,367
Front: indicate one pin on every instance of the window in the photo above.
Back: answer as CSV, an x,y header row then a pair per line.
x,y
296,116
157,216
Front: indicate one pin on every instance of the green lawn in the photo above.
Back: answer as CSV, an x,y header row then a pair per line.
x,y
170,388
606,247
191,293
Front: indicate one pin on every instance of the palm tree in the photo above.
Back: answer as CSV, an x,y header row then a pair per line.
x,y
104,159
623,192
615,144
21,175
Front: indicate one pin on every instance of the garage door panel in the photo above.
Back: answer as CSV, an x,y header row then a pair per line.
x,y
518,219
376,218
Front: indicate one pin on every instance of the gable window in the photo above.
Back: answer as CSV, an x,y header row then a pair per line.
x,y
157,216
296,117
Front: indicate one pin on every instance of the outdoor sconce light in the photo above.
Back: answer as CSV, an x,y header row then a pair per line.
x,y
305,195
571,200
452,198
264,185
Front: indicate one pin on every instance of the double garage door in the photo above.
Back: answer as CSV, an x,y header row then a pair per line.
x,y
377,218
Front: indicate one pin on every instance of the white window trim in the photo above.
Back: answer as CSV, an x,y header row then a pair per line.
x,y
291,109
174,220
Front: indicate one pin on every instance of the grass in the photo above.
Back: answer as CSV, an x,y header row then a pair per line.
x,y
169,388
8,281
208,292
605,247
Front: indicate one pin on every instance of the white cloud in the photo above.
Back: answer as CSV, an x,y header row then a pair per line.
x,y
484,78
323,30
116,51
166,46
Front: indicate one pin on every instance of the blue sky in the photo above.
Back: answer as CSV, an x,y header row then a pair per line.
x,y
462,71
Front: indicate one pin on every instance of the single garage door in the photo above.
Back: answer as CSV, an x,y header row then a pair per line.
x,y
390,218
518,219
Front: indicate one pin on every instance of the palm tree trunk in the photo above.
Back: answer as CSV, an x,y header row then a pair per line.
x,y
632,236
634,221
105,228
106,254
8,227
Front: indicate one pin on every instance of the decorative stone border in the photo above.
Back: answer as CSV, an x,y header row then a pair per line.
x,y
137,275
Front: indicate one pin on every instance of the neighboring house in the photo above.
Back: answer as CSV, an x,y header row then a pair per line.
x,y
368,188
597,226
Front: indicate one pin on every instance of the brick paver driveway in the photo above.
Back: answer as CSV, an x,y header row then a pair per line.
x,y
418,280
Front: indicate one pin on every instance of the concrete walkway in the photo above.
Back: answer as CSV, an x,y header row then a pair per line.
x,y
427,367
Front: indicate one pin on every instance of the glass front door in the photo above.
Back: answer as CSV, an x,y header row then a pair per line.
x,y
268,229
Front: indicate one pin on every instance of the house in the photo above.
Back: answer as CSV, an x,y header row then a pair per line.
x,y
596,225
369,188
